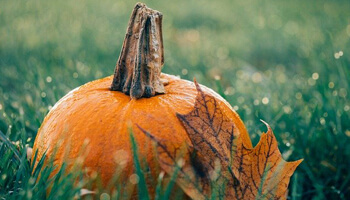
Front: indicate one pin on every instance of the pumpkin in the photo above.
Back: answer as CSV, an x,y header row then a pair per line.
x,y
93,121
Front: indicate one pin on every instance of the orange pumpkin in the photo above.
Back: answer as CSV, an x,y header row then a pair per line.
x,y
94,119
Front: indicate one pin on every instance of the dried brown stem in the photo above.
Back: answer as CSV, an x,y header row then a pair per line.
x,y
139,65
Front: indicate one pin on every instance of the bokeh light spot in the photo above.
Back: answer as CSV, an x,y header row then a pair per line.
x,y
257,78
134,179
298,95
256,102
322,121
105,196
265,100
346,108
331,85
48,79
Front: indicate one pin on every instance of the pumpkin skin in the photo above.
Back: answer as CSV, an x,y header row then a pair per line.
x,y
94,121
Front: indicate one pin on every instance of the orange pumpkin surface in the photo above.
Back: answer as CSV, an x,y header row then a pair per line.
x,y
91,123
93,120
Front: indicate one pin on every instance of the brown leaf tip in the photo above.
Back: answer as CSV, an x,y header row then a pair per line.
x,y
269,130
197,85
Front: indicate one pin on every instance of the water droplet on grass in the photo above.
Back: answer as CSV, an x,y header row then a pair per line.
x,y
322,121
298,95
134,179
265,100
336,55
346,108
256,102
331,85
287,109
256,78
49,79
105,196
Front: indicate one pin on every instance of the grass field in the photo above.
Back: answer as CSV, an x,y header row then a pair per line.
x,y
286,62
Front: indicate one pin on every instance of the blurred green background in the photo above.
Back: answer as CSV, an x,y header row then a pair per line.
x,y
286,62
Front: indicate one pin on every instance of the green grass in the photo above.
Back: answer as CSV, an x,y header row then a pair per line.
x,y
274,60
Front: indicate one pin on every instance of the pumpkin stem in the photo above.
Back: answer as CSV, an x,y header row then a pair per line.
x,y
138,69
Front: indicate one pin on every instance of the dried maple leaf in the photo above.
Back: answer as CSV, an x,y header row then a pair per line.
x,y
261,171
221,165
172,161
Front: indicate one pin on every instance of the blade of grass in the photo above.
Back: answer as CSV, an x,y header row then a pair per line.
x,y
159,186
171,184
142,185
5,140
